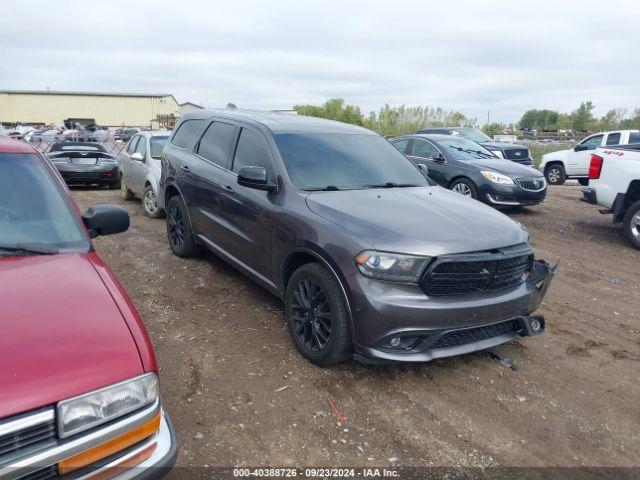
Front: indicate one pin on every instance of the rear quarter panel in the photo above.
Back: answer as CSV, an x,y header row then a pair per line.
x,y
619,168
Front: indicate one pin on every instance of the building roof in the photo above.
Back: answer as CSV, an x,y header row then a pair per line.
x,y
100,94
281,122
191,103
9,145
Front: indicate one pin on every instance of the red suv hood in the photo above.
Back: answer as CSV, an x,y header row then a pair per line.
x,y
61,333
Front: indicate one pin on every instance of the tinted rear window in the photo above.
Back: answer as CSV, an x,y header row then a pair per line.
x,y
75,147
613,139
216,143
186,132
634,137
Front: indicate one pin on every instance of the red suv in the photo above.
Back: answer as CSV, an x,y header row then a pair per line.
x,y
79,390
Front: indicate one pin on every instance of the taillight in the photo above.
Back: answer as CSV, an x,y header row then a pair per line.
x,y
595,167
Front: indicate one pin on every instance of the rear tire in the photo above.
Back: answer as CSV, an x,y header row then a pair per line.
x,y
465,187
179,231
317,316
631,224
555,174
150,205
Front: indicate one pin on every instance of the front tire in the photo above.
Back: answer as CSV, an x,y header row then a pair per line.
x,y
317,316
179,231
465,187
150,205
631,224
555,174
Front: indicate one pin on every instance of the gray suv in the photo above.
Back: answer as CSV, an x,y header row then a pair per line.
x,y
371,258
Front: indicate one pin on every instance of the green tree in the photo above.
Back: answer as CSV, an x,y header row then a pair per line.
x,y
582,117
493,129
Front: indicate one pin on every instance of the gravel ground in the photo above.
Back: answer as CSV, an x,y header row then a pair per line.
x,y
240,395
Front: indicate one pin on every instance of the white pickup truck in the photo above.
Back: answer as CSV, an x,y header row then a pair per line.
x,y
614,184
574,163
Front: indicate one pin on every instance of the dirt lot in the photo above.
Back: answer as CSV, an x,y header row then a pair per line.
x,y
240,395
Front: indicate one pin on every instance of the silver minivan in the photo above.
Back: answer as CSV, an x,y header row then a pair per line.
x,y
140,163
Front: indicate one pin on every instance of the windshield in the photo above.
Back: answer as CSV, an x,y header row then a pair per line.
x,y
344,161
157,145
473,134
458,148
34,213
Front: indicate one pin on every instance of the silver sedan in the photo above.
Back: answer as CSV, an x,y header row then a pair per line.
x,y
140,165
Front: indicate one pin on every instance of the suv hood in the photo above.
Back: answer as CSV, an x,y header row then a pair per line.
x,y
503,146
62,334
506,167
420,221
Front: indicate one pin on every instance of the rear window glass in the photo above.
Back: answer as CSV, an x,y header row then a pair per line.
x,y
76,147
216,143
634,137
186,132
157,145
613,139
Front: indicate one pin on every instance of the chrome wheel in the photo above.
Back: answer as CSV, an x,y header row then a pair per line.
x,y
554,175
150,202
311,315
462,189
635,225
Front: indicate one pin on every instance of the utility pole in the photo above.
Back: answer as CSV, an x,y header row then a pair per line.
x,y
489,117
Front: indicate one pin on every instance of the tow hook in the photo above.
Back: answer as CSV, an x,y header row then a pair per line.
x,y
533,325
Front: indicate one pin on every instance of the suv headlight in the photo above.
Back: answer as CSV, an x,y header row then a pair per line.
x,y
394,267
100,406
497,153
497,177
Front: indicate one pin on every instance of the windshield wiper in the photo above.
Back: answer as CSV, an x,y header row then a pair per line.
x,y
328,188
476,152
390,185
23,249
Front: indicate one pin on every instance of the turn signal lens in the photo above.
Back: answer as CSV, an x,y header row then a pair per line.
x,y
110,447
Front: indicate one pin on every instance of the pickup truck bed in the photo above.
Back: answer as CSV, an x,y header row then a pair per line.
x,y
614,184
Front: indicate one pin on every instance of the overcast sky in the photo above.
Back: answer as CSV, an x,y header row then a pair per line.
x,y
506,56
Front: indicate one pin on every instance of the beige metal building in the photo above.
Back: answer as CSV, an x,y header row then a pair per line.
x,y
107,109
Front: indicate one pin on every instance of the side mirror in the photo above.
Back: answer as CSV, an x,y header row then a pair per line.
x,y
438,158
137,156
424,169
255,177
579,148
105,220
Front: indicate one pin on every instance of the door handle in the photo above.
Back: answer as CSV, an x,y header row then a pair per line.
x,y
185,168
228,188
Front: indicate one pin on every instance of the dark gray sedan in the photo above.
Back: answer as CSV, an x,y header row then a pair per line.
x,y
471,170
84,163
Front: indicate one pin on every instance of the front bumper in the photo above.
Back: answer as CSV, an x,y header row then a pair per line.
x,y
511,195
442,326
88,175
43,464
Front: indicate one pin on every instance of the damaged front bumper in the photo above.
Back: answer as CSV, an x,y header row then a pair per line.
x,y
453,326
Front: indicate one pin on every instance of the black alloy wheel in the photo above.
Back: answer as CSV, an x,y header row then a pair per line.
x,y
179,231
317,314
311,315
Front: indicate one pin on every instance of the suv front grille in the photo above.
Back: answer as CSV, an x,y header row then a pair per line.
x,y
533,184
516,153
26,434
477,273
476,334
